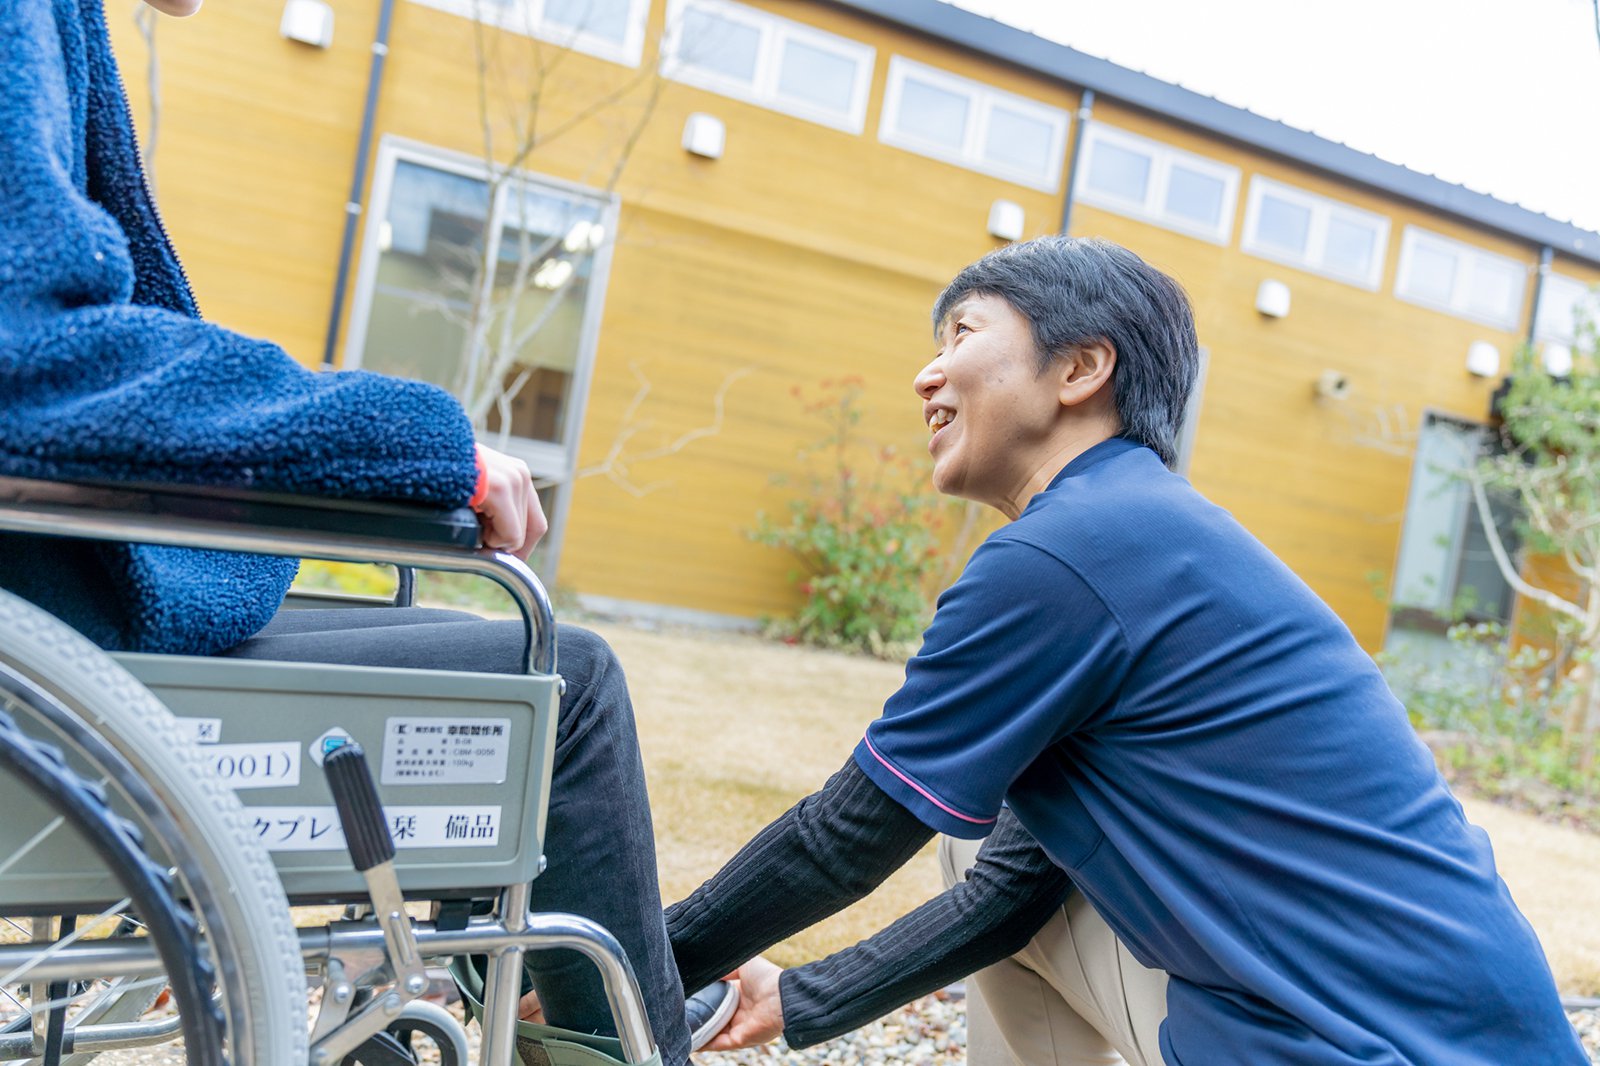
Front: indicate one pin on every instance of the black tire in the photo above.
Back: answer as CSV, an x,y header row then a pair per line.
x,y
111,727
82,805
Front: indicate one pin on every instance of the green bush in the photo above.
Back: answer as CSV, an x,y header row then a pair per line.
x,y
863,530
474,594
1493,715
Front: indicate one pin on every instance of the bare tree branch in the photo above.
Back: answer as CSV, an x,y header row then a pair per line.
x,y
1508,571
617,466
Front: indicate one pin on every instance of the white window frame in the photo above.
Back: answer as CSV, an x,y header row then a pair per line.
x,y
981,99
553,462
1469,260
1323,211
527,18
1571,294
1151,208
776,32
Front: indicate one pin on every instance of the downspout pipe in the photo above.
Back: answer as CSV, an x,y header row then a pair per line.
x,y
1546,257
1085,110
1497,398
358,182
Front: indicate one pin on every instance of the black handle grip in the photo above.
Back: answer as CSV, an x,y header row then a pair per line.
x,y
366,829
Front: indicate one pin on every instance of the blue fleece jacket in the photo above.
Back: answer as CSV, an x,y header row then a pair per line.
x,y
107,372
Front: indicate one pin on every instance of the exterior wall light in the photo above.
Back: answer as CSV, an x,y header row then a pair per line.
x,y
1483,360
1272,299
307,21
704,135
1006,220
1557,359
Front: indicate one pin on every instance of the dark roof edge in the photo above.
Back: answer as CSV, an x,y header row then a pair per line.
x,y
977,33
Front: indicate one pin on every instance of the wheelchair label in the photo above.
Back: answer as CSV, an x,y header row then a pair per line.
x,y
317,828
271,765
445,751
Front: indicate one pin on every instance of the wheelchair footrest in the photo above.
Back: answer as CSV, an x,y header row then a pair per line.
x,y
545,1045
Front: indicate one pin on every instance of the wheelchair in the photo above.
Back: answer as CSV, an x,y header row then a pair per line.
x,y
162,813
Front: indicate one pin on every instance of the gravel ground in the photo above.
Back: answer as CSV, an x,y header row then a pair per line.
x,y
1587,1022
930,1032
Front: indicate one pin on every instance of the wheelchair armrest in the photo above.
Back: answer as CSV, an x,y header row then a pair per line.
x,y
264,523
415,524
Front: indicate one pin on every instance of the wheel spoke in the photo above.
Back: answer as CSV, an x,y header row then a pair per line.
x,y
76,935
148,982
33,842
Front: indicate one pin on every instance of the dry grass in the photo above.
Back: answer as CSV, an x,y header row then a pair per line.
x,y
1553,872
735,729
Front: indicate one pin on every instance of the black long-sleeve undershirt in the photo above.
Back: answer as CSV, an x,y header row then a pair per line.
x,y
826,852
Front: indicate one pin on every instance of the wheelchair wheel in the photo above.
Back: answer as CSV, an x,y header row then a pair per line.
x,y
112,730
76,806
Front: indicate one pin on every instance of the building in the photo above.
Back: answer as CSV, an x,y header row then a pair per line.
x,y
811,175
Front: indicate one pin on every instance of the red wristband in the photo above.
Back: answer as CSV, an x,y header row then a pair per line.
x,y
481,490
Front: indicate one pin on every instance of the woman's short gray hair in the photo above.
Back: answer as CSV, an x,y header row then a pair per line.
x,y
1077,290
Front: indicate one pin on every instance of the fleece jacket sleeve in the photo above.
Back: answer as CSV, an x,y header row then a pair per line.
x,y
105,370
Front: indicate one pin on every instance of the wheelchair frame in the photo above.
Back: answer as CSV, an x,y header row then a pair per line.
x,y
351,952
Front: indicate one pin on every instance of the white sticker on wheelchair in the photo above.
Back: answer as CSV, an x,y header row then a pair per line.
x,y
203,730
275,764
445,751
317,828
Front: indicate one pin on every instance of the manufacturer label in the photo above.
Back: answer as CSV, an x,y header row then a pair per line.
x,y
270,765
318,829
445,751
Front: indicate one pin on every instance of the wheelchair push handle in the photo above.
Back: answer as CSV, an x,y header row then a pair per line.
x,y
360,812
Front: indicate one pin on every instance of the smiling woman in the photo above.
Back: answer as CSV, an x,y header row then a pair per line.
x,y
1176,752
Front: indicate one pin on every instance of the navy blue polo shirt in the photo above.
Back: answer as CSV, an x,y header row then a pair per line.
x,y
1201,744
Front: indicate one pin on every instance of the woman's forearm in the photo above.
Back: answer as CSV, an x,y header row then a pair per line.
x,y
824,853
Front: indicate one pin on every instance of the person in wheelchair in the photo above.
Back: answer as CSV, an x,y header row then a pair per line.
x,y
107,372
1210,835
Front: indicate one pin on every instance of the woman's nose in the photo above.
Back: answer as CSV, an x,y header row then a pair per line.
x,y
928,379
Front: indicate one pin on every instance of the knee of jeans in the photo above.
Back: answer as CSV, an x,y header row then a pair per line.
x,y
582,656
596,690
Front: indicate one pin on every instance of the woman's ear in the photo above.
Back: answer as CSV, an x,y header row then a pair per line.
x,y
1085,373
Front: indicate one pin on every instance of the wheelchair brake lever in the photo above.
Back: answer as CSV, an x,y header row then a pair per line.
x,y
366,832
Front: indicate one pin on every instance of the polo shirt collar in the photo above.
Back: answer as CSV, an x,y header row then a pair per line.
x,y
1109,448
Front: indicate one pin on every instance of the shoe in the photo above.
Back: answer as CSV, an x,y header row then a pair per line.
x,y
708,1010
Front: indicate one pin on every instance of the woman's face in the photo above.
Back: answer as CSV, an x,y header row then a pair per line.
x,y
177,8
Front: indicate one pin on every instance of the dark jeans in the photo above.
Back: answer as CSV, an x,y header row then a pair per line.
x,y
599,841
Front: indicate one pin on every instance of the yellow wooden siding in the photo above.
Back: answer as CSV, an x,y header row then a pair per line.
x,y
805,253
256,143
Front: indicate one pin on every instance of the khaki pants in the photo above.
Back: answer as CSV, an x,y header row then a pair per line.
x,y
1073,997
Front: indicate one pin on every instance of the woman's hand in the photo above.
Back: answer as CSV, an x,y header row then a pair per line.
x,y
759,1017
513,521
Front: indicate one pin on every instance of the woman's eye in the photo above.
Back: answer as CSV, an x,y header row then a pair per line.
x,y
962,327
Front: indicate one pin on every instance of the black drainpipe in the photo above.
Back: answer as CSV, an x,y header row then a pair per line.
x,y
1085,109
1498,397
1545,258
358,183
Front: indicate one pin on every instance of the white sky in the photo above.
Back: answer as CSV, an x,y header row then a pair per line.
x,y
1502,96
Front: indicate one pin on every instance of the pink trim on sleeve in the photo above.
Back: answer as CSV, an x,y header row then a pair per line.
x,y
924,793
